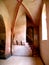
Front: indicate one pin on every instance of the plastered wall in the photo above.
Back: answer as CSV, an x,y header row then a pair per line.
x,y
6,18
20,26
7,11
44,44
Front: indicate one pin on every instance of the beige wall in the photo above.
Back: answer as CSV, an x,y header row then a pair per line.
x,y
20,27
34,9
6,18
36,39
44,44
7,11
44,49
11,5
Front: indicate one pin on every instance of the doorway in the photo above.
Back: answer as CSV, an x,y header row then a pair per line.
x,y
30,35
2,37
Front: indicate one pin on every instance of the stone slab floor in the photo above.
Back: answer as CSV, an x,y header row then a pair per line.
x,y
20,60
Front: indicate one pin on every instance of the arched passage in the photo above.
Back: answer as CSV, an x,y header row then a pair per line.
x,y
2,36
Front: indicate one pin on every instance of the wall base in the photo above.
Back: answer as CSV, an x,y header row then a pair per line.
x,y
42,60
5,56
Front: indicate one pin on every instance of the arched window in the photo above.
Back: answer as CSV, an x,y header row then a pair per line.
x,y
44,24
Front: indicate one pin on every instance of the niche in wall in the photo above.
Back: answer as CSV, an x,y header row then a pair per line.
x,y
2,36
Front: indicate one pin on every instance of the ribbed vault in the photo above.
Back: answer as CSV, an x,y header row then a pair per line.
x,y
32,8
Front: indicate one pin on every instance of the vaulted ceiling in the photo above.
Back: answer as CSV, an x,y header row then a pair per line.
x,y
32,8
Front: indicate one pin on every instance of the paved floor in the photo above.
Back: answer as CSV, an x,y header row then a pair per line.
x,y
21,50
17,60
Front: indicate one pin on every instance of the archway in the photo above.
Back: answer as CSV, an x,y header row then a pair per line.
x,y
32,36
2,37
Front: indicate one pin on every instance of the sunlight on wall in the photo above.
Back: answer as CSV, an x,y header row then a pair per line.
x,y
44,25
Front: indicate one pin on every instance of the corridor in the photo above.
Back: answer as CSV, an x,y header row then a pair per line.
x,y
21,22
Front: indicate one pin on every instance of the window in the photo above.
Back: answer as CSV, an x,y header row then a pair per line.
x,y
44,25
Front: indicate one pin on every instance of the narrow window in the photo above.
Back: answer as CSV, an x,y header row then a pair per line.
x,y
44,25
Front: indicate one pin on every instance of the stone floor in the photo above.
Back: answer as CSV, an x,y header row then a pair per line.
x,y
20,60
21,50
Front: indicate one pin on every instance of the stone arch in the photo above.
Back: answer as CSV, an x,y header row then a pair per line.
x,y
2,36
